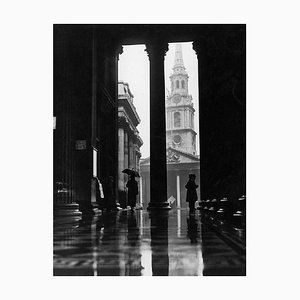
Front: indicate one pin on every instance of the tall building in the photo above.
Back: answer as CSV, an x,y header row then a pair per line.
x,y
182,158
128,137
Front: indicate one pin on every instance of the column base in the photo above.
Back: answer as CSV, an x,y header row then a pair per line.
x,y
86,208
159,206
122,199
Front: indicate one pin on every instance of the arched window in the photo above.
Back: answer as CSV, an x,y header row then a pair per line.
x,y
182,84
177,84
177,119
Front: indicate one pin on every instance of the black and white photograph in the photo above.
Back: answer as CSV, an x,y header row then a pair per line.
x,y
149,150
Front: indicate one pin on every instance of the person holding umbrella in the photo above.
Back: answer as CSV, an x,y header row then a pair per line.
x,y
131,172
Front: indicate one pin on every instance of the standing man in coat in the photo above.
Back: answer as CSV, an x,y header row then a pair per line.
x,y
132,187
191,194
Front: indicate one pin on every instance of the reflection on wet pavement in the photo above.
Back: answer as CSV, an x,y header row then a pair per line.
x,y
123,243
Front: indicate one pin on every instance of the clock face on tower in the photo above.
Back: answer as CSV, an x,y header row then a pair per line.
x,y
176,98
177,139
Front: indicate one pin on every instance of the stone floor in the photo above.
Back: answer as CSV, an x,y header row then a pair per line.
x,y
123,243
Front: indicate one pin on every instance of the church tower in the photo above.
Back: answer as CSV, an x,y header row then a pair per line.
x,y
180,133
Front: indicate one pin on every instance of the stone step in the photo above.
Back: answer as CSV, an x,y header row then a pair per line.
x,y
70,209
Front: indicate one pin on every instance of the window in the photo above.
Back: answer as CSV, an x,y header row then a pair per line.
x,y
177,84
177,119
182,84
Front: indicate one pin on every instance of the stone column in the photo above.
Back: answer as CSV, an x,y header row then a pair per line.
x,y
178,190
222,97
141,191
158,168
201,49
121,166
131,153
107,99
136,159
125,150
118,50
186,118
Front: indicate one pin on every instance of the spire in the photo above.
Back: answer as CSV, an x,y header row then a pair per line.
x,y
178,57
178,62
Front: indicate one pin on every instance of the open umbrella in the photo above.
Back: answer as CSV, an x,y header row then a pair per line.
x,y
136,173
131,172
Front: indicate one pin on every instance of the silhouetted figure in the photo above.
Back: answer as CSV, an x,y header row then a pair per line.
x,y
191,194
132,187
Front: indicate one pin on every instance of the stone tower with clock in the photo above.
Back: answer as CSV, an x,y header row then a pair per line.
x,y
180,133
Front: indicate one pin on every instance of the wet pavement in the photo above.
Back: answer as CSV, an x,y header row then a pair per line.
x,y
123,243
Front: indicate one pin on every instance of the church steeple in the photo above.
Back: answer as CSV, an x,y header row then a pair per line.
x,y
179,109
179,77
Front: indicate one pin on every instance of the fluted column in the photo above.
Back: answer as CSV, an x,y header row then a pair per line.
x,y
158,169
126,149
121,185
107,99
131,153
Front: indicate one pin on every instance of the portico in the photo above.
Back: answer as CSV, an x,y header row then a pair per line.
x,y
86,110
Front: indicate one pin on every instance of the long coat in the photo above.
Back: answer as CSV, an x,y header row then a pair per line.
x,y
191,194
132,192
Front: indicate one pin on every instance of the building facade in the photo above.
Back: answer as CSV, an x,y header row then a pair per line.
x,y
129,141
182,158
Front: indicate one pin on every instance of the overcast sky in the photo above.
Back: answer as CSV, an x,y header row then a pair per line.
x,y
134,69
